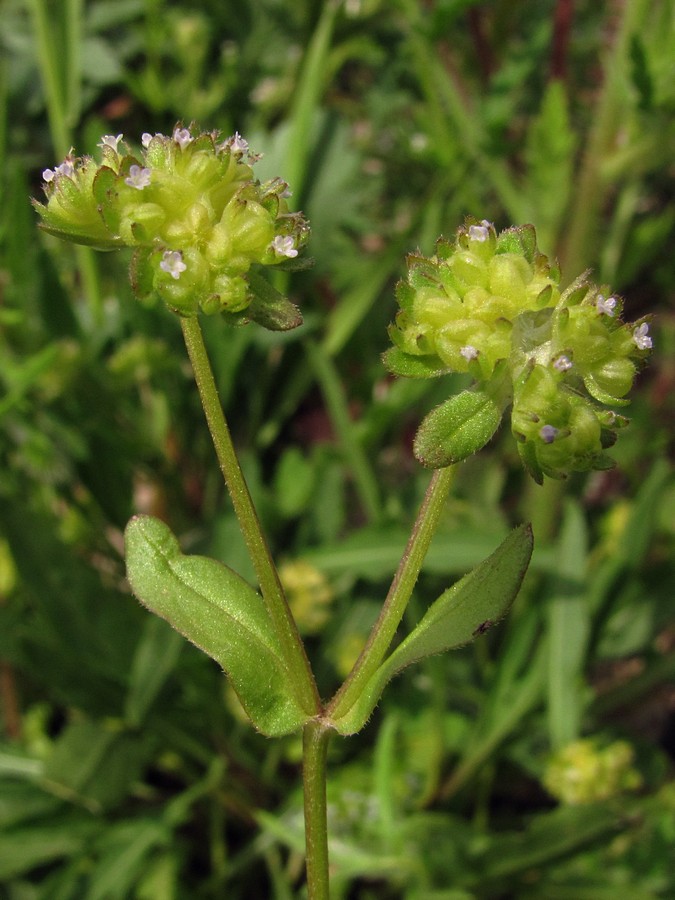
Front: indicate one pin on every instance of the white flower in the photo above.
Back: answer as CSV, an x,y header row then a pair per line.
x,y
480,232
138,178
548,433
562,363
641,337
237,143
110,140
284,246
66,168
182,137
146,137
606,305
172,263
469,352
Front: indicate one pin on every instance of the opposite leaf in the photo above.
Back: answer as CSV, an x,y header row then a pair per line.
x,y
463,612
217,610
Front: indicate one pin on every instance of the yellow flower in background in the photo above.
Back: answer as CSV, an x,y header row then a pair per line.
x,y
309,595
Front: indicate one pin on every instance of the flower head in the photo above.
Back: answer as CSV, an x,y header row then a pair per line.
x,y
588,770
490,305
193,211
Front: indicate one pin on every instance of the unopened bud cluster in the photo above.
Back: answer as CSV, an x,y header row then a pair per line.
x,y
190,207
490,305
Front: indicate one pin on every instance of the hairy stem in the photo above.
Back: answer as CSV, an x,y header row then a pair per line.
x,y
315,747
399,593
297,663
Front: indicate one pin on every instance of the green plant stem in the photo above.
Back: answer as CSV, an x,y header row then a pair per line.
x,y
399,593
315,748
297,663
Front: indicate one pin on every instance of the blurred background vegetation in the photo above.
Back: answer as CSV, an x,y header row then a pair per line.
x,y
126,770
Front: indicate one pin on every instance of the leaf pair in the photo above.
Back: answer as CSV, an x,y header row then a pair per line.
x,y
217,610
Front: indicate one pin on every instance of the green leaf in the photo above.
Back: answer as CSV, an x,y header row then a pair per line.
x,y
463,612
83,238
95,763
219,612
269,308
548,838
23,849
155,659
456,429
398,362
123,853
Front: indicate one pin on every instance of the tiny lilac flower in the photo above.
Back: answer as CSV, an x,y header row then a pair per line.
x,y
146,137
172,263
605,305
110,140
469,352
562,363
548,433
480,232
66,168
182,137
641,337
138,178
284,246
237,143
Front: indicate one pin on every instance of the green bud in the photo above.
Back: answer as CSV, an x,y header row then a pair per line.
x,y
193,209
231,294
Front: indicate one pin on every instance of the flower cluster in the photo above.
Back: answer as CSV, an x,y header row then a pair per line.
x,y
309,595
587,772
195,215
490,305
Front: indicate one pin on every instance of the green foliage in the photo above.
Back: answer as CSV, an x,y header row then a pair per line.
x,y
125,767
219,612
469,608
